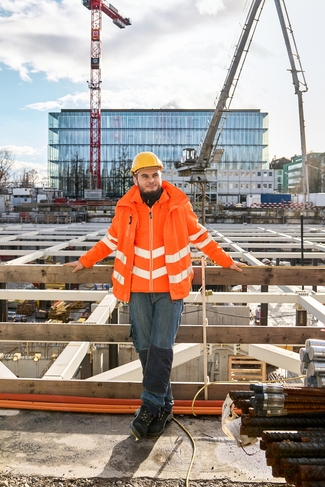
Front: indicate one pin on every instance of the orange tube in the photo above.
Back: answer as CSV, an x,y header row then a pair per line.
x,y
98,408
93,405
101,400
93,400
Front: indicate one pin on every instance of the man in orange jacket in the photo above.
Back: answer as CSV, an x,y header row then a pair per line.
x,y
151,233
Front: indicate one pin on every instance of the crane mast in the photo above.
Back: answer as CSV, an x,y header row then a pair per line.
x,y
97,7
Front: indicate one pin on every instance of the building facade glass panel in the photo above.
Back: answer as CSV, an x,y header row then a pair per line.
x,y
243,142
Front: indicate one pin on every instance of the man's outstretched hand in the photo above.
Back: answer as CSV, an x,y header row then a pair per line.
x,y
236,266
76,264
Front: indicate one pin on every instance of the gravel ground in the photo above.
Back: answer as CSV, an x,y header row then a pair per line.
x,y
22,481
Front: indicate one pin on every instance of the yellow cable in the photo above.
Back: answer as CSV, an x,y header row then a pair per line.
x,y
193,453
192,408
198,392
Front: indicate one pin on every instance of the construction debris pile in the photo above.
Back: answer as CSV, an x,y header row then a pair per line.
x,y
26,308
60,311
290,421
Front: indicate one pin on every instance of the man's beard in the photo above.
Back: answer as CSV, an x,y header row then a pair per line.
x,y
150,197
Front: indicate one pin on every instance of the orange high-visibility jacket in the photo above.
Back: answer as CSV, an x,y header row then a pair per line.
x,y
152,245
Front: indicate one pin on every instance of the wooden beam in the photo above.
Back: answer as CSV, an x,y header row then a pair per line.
x,y
69,332
252,275
54,273
264,276
119,390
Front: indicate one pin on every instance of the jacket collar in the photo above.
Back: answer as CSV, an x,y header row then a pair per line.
x,y
170,192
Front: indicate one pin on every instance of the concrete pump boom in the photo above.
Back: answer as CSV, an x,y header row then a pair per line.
x,y
300,88
208,143
194,164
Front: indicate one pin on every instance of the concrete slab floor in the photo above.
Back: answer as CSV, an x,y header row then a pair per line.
x,y
75,445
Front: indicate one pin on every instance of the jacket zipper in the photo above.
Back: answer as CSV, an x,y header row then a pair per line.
x,y
129,225
150,249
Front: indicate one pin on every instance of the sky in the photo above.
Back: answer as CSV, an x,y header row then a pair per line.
x,y
176,54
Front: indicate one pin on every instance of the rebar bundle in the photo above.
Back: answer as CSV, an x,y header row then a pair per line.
x,y
290,421
312,363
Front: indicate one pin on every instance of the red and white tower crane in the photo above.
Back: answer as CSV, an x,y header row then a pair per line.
x,y
97,7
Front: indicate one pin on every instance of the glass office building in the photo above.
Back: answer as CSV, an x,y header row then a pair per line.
x,y
243,143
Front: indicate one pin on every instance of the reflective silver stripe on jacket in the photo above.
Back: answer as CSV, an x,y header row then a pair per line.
x,y
118,277
121,257
198,234
205,242
109,241
162,271
146,253
172,258
177,278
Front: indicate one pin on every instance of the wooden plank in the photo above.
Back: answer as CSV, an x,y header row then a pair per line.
x,y
55,273
68,332
119,390
264,275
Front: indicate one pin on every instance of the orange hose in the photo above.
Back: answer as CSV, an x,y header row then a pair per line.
x,y
98,408
52,402
101,400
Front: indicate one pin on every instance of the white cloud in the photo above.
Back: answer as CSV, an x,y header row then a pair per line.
x,y
68,101
210,7
25,166
20,150
176,53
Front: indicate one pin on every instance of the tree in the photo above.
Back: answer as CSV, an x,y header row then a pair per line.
x,y
316,177
6,162
120,179
75,176
29,179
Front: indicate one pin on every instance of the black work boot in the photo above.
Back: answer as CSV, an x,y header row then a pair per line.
x,y
157,426
141,422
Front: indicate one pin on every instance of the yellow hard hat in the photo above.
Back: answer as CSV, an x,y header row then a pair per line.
x,y
144,160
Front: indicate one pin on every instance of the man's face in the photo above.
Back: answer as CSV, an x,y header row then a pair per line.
x,y
148,181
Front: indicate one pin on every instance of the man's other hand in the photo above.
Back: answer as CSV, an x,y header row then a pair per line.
x,y
76,264
236,266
